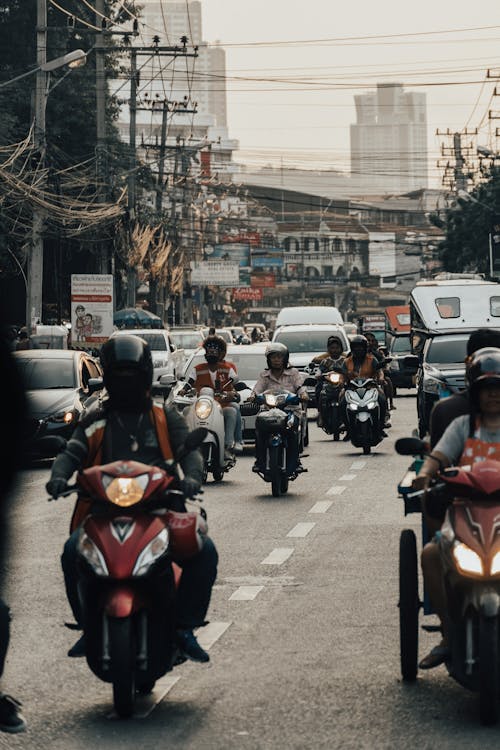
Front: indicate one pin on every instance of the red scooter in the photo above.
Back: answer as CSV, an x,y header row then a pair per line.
x,y
127,578
469,544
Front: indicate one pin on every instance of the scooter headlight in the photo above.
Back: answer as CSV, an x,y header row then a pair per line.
x,y
372,405
92,554
352,406
125,491
334,378
150,554
495,564
271,399
203,408
467,560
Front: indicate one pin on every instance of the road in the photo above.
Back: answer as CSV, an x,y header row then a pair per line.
x,y
303,631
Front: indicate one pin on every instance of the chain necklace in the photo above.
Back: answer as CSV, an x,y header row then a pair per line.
x,y
134,443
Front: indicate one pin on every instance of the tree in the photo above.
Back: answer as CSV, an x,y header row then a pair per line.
x,y
467,226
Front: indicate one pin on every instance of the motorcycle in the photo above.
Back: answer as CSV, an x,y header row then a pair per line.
x,y
126,589
273,424
203,410
329,406
469,547
363,413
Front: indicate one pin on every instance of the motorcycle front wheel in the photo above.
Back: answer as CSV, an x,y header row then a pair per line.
x,y
279,484
488,670
122,652
409,605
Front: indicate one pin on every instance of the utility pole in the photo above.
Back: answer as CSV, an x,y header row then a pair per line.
x,y
35,260
457,174
100,73
131,275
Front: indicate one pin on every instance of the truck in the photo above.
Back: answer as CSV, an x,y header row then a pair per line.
x,y
373,323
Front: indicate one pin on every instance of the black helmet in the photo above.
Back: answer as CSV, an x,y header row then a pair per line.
x,y
484,370
276,348
215,348
359,342
331,340
127,367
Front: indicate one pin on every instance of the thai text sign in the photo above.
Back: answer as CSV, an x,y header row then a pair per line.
x,y
215,273
91,309
244,293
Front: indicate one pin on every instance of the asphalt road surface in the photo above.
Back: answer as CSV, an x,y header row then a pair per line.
x,y
303,632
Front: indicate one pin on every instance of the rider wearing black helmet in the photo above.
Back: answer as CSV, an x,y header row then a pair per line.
x,y
127,425
277,377
361,364
468,439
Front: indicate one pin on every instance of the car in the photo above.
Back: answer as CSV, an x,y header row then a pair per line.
x,y
307,314
168,359
305,342
402,376
56,383
441,373
249,361
188,339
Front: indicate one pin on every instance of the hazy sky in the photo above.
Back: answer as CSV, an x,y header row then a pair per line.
x,y
302,114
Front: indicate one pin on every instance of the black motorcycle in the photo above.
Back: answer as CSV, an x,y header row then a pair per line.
x,y
329,401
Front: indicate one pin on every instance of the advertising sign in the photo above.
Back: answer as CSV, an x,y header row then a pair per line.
x,y
268,261
246,293
91,309
215,273
234,252
263,280
247,238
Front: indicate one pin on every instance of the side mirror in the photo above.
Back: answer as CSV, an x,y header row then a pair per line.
x,y
309,381
95,384
241,386
411,446
411,362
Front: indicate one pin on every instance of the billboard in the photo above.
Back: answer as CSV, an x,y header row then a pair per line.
x,y
246,293
234,252
215,273
263,280
91,309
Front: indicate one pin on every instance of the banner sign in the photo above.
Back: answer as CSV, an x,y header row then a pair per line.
x,y
215,273
91,309
267,261
236,253
246,293
263,280
247,238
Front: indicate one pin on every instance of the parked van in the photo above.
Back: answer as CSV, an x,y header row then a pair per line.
x,y
302,315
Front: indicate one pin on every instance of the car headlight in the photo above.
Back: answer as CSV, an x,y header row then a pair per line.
x,y
467,560
394,365
92,554
68,416
433,385
495,564
203,408
150,554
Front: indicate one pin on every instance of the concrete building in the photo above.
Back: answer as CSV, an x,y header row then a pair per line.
x,y
389,139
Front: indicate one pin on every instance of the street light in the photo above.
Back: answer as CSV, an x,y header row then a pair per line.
x,y
73,60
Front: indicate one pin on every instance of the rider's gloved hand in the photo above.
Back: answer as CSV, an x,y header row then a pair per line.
x,y
56,487
190,487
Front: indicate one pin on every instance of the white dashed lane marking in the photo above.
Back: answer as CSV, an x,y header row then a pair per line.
x,y
322,506
301,529
245,593
335,490
358,465
278,556
347,477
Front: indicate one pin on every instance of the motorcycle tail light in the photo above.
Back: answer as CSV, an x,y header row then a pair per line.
x,y
467,560
203,408
126,491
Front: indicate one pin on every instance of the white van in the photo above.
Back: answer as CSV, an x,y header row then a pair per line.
x,y
324,315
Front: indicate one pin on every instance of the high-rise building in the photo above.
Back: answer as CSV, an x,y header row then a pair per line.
x,y
389,139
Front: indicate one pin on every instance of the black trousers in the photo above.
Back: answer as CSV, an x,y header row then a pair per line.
x,y
4,633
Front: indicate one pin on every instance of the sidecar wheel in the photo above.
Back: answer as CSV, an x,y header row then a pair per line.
x,y
488,670
409,605
122,651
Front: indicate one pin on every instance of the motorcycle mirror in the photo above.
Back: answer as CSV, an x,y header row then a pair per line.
x,y
410,446
241,387
411,362
95,384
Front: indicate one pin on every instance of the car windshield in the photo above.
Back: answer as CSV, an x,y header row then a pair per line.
x,y
41,374
307,341
248,364
187,340
401,345
447,351
156,341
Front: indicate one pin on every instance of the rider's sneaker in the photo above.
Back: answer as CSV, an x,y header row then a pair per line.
x,y
228,454
190,647
11,718
238,447
256,468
